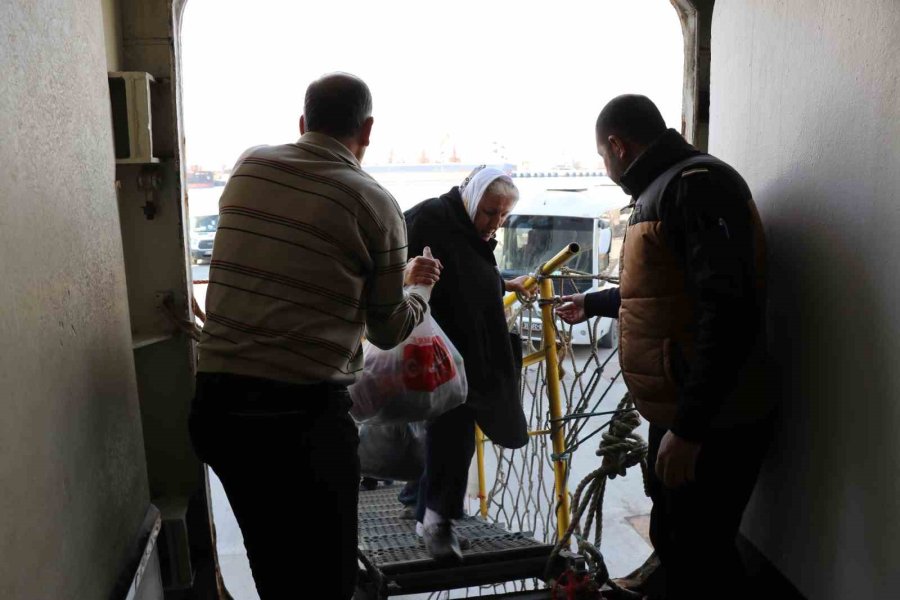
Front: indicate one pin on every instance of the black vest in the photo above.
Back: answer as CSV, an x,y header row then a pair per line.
x,y
658,315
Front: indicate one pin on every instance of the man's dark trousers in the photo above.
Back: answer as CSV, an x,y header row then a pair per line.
x,y
287,458
694,527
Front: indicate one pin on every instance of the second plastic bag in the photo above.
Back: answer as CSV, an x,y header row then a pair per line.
x,y
394,451
419,380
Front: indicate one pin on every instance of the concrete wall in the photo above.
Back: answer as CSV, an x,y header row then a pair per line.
x,y
74,482
805,104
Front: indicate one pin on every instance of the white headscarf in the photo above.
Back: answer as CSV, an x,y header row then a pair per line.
x,y
473,187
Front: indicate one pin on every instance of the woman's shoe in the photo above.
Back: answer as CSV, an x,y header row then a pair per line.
x,y
464,542
441,542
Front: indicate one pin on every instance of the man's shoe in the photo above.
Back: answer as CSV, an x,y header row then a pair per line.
x,y
646,579
441,542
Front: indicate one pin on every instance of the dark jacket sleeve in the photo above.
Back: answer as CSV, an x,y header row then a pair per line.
x,y
604,303
423,230
710,227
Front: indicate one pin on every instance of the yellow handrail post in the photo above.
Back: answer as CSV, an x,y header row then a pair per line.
x,y
482,478
557,432
551,357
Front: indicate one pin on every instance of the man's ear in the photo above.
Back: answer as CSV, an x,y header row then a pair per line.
x,y
302,125
617,145
366,131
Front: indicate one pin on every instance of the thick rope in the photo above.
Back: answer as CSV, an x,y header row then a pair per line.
x,y
195,308
620,448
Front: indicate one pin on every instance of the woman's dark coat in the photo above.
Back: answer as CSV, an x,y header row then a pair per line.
x,y
468,305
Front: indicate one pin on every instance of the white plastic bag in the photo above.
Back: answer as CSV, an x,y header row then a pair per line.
x,y
419,380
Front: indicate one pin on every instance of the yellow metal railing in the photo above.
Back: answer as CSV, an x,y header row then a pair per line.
x,y
548,353
564,256
557,432
482,479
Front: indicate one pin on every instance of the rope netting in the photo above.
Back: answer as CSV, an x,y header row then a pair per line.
x,y
521,494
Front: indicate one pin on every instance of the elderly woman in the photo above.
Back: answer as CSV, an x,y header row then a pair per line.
x,y
467,303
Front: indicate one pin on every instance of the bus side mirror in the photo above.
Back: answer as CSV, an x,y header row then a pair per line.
x,y
605,244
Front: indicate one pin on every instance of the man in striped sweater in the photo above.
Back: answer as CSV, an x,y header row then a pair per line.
x,y
310,256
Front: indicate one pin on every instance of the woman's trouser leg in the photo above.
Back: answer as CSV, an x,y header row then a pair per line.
x,y
449,446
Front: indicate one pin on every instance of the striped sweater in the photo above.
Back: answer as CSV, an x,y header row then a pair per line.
x,y
309,256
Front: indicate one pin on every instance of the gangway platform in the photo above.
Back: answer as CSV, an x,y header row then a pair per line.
x,y
394,561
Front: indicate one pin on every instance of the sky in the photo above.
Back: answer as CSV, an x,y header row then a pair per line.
x,y
493,79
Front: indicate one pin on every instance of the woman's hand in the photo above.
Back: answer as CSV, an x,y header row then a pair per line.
x,y
518,285
423,270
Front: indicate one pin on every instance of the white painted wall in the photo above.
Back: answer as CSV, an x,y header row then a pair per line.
x,y
805,102
72,468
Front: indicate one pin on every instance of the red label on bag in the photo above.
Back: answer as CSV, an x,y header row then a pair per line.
x,y
427,364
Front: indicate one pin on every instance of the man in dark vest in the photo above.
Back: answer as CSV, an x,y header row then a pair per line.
x,y
690,305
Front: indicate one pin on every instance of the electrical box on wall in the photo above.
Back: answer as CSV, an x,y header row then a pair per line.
x,y
129,95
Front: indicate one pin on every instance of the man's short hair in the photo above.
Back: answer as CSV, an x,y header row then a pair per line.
x,y
337,104
632,117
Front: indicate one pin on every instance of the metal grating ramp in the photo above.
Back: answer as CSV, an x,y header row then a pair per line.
x,y
390,545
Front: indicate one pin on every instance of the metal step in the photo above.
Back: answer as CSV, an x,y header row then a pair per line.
x,y
398,563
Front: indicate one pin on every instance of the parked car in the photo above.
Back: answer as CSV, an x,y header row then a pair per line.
x,y
203,235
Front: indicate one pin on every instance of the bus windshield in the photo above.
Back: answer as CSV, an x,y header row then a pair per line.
x,y
205,224
525,242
